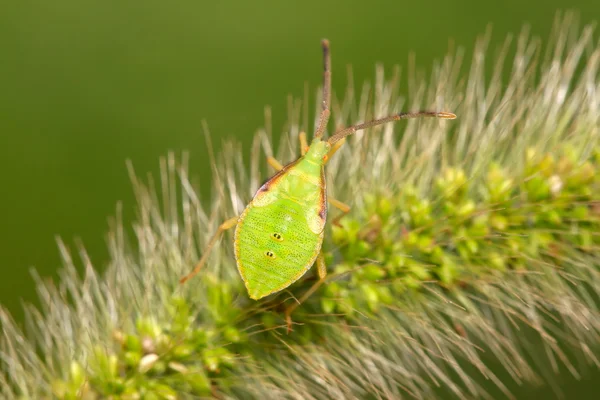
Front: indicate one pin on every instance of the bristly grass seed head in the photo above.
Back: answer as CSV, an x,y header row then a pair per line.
x,y
467,265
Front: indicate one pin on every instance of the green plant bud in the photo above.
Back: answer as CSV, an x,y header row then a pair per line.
x,y
215,358
472,245
373,272
269,320
530,156
77,374
132,358
498,222
199,338
419,271
411,239
546,165
183,350
586,240
411,282
352,228
132,343
327,305
495,174
165,392
115,386
479,228
362,248
583,175
148,327
580,213
346,307
538,189
332,289
161,344
497,261
447,272
398,261
104,364
342,267
466,209
329,257
150,395
425,243
420,213
384,294
553,216
199,382
232,334
399,286
371,297
339,234
384,209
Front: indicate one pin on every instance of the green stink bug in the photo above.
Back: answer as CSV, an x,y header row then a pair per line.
x,y
279,235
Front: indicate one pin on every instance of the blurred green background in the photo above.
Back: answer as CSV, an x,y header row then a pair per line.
x,y
87,84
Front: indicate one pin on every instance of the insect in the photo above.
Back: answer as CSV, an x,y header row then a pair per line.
x,y
279,235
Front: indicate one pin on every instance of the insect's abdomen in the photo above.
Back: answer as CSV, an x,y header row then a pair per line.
x,y
274,246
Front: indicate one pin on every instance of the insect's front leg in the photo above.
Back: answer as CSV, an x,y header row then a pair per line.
x,y
230,223
322,272
303,143
334,149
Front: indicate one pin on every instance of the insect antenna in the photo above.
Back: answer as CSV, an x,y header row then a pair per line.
x,y
326,101
342,133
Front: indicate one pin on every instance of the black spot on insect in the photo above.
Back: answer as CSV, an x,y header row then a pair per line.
x,y
264,187
323,212
277,236
270,254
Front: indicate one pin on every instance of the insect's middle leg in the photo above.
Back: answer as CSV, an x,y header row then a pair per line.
x,y
230,223
322,272
343,207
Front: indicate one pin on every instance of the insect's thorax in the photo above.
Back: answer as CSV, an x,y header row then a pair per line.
x,y
303,183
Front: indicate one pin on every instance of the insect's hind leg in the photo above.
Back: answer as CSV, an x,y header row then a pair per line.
x,y
230,223
322,272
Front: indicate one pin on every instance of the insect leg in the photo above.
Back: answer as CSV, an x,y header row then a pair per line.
x,y
322,272
303,146
230,223
334,149
303,143
324,118
274,163
343,207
